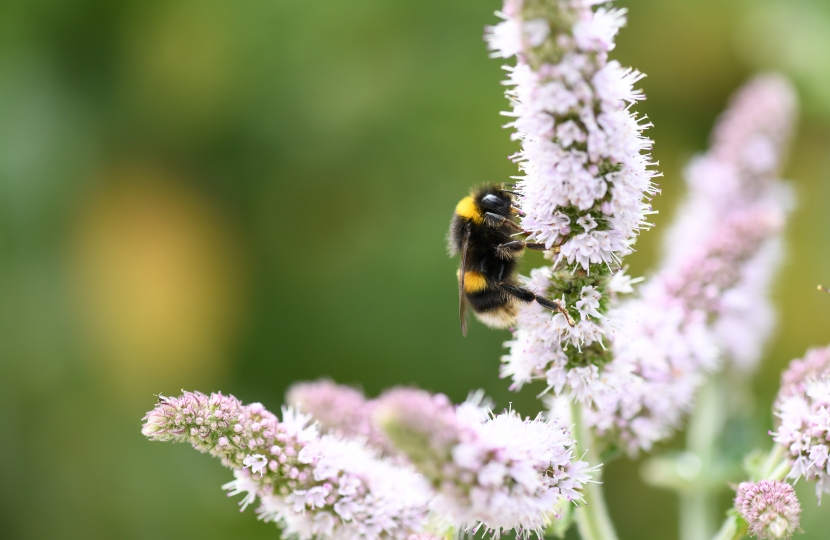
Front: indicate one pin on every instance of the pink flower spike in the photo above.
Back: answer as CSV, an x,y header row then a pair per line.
x,y
492,472
709,300
318,487
587,177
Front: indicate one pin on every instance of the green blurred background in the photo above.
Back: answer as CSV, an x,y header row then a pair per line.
x,y
233,196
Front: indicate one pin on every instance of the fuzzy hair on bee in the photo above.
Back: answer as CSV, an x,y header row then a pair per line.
x,y
482,231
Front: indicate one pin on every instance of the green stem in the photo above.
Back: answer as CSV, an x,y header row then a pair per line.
x,y
592,517
775,466
698,509
696,515
730,530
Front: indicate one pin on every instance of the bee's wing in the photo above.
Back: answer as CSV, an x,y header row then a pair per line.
x,y
462,302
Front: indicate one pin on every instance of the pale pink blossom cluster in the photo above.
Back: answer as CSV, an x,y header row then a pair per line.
x,y
540,342
335,407
770,508
217,424
338,409
803,408
586,179
659,350
585,170
739,173
350,493
584,191
664,344
455,468
709,299
799,372
491,472
311,485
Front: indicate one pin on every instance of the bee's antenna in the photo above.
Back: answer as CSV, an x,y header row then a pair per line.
x,y
512,192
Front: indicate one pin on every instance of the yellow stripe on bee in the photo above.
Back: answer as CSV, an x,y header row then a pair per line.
x,y
474,282
467,208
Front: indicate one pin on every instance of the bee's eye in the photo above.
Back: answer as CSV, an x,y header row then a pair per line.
x,y
492,201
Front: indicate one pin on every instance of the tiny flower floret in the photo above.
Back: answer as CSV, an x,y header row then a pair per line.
x,y
256,462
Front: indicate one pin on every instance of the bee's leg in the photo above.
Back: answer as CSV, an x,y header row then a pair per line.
x,y
520,293
511,250
496,221
556,305
526,295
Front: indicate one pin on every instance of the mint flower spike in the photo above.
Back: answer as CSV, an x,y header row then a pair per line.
x,y
581,146
310,485
665,343
585,184
710,297
741,170
218,425
770,508
494,473
338,409
802,407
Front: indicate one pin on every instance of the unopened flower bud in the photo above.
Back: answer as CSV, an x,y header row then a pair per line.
x,y
769,507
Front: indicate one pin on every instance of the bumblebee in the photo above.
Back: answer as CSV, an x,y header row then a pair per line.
x,y
482,231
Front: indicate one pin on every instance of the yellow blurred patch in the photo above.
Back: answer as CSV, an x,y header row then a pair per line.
x,y
157,281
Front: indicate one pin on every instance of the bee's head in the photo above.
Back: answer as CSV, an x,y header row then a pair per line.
x,y
496,200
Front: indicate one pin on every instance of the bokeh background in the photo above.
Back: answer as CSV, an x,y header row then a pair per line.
x,y
233,196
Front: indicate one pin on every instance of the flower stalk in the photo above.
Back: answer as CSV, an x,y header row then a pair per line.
x,y
592,518
775,466
698,510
